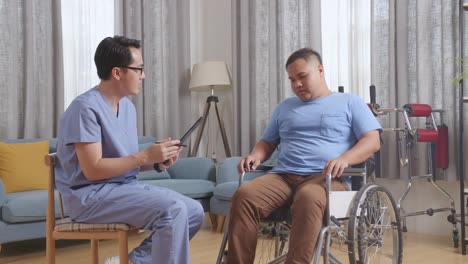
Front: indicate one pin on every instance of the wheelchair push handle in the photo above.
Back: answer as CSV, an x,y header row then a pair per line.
x,y
372,94
375,108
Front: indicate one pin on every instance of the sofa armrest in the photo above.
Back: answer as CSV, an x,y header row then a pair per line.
x,y
2,194
146,140
199,168
227,170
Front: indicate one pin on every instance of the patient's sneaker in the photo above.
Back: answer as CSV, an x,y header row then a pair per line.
x,y
112,260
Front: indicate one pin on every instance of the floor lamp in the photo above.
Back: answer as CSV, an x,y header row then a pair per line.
x,y
210,76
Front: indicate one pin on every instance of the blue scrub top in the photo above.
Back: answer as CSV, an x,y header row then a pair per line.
x,y
309,133
90,118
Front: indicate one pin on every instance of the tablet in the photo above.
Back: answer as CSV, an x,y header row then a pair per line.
x,y
190,131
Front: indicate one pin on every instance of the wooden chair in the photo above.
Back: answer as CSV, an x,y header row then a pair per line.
x,y
65,228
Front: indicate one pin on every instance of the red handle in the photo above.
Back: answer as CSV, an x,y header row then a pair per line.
x,y
441,152
415,110
426,135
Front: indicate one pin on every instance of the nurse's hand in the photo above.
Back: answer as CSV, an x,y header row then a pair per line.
x,y
169,162
164,151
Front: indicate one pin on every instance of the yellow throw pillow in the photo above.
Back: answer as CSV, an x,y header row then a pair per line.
x,y
22,166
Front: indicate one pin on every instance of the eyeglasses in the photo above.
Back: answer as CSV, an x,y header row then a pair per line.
x,y
136,69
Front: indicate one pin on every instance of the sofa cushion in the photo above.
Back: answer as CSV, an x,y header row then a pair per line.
x,y
53,145
195,189
27,207
52,142
152,175
193,168
22,166
225,191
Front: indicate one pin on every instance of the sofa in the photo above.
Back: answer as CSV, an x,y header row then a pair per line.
x,y
227,184
23,214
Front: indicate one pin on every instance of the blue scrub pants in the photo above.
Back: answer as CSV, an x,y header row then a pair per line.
x,y
172,218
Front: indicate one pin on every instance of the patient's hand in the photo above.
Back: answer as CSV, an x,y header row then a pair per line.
x,y
248,163
335,167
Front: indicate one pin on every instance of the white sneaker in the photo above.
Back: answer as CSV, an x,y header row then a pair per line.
x,y
112,260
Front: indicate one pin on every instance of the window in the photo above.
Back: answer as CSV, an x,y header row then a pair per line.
x,y
84,24
346,45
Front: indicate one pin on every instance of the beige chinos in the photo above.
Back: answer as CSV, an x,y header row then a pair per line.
x,y
257,199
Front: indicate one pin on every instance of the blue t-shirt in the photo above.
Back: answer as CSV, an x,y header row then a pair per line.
x,y
90,118
311,132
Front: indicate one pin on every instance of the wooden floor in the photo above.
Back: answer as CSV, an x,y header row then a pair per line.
x,y
204,249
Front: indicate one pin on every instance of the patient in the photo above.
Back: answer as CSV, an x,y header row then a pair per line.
x,y
98,160
318,133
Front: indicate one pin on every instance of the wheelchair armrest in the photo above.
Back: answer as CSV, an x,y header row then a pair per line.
x,y
354,172
347,172
260,168
263,168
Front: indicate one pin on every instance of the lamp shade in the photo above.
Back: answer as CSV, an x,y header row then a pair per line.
x,y
210,75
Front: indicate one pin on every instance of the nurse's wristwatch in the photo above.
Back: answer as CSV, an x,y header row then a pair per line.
x,y
157,168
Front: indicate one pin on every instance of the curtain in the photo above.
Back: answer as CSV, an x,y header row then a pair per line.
x,y
265,34
163,105
414,49
31,79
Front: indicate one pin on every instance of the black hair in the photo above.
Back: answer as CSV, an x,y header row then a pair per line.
x,y
113,52
305,53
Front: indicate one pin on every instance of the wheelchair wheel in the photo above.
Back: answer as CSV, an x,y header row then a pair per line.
x,y
374,230
272,242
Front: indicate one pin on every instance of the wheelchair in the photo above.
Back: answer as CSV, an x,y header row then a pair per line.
x,y
362,226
